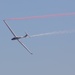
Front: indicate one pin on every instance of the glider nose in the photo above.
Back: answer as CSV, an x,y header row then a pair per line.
x,y
12,39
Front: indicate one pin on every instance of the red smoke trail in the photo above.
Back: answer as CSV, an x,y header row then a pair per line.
x,y
44,16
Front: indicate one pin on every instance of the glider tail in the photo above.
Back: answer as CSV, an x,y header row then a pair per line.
x,y
26,35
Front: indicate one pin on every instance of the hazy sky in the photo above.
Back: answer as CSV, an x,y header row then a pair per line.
x,y
52,54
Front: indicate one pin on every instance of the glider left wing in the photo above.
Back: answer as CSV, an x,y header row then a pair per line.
x,y
24,46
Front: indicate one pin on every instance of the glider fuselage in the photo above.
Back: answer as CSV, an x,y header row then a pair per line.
x,y
16,38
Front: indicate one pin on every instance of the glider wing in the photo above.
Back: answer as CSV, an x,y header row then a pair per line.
x,y
9,28
24,46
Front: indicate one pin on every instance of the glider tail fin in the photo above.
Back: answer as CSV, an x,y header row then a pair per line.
x,y
27,35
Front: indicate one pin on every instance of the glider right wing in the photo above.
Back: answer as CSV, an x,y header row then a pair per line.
x,y
9,28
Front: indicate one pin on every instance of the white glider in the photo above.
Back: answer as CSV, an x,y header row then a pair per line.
x,y
17,37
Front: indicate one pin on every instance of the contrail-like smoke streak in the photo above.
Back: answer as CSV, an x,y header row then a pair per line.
x,y
44,16
54,33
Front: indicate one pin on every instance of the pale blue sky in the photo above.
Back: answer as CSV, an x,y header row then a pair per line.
x,y
52,55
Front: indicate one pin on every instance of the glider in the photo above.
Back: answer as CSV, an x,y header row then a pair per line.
x,y
18,37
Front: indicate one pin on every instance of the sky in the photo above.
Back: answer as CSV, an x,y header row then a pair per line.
x,y
52,54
